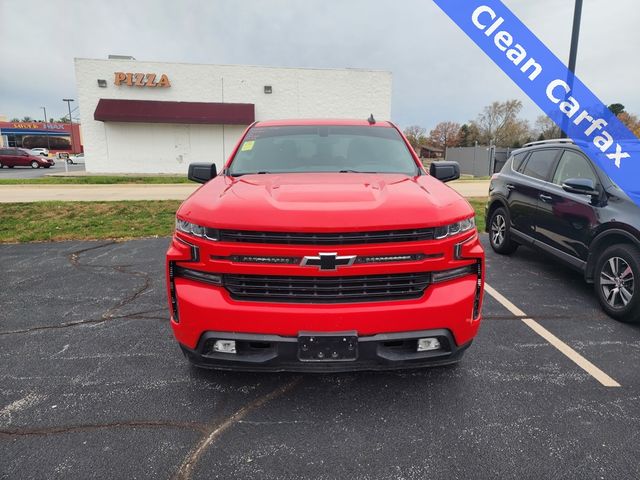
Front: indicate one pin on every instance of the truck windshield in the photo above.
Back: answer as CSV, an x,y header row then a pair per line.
x,y
345,149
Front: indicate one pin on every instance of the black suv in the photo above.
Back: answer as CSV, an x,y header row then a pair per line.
x,y
551,196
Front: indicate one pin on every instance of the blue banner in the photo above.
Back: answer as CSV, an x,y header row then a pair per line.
x,y
550,84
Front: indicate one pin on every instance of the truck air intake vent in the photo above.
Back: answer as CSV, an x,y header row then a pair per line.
x,y
327,289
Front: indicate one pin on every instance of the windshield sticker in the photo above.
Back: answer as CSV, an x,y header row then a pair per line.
x,y
248,146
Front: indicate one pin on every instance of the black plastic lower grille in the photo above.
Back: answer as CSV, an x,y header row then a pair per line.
x,y
327,289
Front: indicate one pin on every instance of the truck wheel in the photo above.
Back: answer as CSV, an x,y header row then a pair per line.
x,y
35,164
616,282
500,234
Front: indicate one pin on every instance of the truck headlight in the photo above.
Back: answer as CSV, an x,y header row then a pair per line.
x,y
196,230
455,228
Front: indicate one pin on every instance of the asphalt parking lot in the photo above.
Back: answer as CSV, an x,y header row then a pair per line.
x,y
92,385
28,172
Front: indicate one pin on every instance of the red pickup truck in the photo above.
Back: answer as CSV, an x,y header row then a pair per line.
x,y
324,246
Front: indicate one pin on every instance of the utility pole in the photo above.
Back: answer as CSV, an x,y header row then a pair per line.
x,y
573,52
45,127
69,100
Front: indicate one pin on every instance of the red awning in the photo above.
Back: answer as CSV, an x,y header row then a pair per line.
x,y
152,111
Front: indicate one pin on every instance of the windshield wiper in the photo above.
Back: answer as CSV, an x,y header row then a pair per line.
x,y
354,171
263,172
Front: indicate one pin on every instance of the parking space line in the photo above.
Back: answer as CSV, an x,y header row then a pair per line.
x,y
565,349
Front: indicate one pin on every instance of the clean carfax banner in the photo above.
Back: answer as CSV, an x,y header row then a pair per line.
x,y
550,84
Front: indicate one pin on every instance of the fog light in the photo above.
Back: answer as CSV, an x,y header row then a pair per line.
x,y
426,344
225,346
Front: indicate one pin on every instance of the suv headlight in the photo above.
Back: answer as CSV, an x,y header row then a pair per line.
x,y
455,228
196,230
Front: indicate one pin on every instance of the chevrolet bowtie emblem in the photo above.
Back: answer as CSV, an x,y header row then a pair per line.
x,y
328,261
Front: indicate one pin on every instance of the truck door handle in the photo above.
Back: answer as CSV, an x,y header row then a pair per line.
x,y
545,198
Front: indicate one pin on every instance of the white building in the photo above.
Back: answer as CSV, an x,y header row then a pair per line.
x,y
153,117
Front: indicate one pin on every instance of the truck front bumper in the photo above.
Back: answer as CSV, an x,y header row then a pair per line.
x,y
276,353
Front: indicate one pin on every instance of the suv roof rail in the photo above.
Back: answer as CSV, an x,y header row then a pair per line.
x,y
553,140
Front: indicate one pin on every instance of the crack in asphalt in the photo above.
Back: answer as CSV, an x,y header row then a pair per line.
x,y
133,316
210,432
217,429
52,327
74,259
74,256
110,313
101,426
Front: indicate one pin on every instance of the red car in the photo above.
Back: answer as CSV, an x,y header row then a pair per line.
x,y
17,157
324,246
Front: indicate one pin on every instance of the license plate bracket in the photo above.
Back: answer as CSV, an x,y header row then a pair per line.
x,y
327,347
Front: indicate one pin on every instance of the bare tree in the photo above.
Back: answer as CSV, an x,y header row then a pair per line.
x,y
416,136
546,128
499,124
445,134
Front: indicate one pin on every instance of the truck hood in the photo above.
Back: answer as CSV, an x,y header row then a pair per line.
x,y
318,202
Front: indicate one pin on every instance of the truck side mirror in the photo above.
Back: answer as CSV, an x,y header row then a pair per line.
x,y
202,172
445,171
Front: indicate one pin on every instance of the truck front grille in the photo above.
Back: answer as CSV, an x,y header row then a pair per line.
x,y
327,289
345,238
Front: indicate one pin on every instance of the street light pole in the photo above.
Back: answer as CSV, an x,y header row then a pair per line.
x,y
45,127
573,52
69,100
575,35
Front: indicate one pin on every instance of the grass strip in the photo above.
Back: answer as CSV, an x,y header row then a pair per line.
x,y
56,221
478,204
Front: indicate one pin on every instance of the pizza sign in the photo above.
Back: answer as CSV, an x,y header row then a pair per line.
x,y
141,80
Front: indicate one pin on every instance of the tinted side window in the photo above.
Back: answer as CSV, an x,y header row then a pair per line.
x,y
540,163
517,160
573,165
5,151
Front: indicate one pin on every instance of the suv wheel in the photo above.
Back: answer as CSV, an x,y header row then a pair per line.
x,y
499,233
35,164
616,282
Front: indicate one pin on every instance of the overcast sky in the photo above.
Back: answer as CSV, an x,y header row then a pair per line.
x,y
438,73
